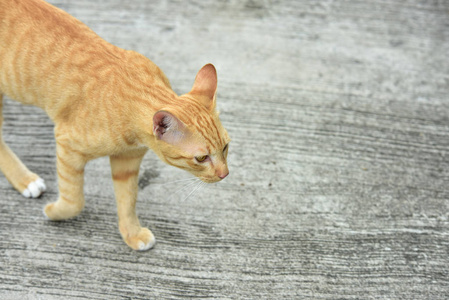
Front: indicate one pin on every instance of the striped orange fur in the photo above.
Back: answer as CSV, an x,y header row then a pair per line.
x,y
104,101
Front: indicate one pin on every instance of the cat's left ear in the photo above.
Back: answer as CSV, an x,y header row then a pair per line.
x,y
205,86
168,128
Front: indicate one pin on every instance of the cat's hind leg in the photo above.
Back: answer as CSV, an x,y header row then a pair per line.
x,y
23,180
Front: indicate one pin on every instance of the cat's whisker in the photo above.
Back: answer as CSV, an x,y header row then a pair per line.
x,y
183,188
177,181
201,184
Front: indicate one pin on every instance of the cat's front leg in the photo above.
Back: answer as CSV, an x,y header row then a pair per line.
x,y
125,172
70,167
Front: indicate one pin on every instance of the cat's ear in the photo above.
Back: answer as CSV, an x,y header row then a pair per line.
x,y
168,128
205,86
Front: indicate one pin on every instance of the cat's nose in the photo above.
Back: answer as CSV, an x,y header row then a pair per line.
x,y
223,175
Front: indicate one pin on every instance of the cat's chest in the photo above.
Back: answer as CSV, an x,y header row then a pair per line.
x,y
97,139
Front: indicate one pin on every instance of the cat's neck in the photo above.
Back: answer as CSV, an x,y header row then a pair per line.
x,y
143,89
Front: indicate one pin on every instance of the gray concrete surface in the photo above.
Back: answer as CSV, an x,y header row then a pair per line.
x,y
338,113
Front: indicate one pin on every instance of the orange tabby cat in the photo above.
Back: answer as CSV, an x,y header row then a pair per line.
x,y
104,101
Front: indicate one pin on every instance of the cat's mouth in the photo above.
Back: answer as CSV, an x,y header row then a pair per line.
x,y
211,180
206,180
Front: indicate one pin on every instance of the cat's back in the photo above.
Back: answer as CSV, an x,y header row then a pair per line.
x,y
52,60
36,16
44,51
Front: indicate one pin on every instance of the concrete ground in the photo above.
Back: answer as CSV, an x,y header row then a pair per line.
x,y
338,113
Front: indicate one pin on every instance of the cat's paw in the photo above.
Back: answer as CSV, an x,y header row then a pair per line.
x,y
143,241
63,210
35,189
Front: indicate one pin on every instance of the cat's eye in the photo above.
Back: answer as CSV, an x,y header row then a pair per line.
x,y
225,151
201,158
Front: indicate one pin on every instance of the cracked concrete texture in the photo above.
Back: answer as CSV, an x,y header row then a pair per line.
x,y
338,114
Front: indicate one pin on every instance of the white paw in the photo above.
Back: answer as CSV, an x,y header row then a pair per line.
x,y
35,189
145,247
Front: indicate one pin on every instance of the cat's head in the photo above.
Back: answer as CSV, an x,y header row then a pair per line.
x,y
189,134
